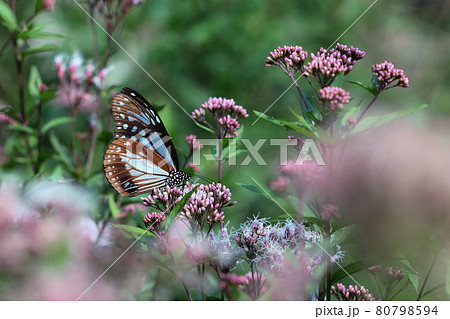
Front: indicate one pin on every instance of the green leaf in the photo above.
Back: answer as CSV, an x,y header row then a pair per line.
x,y
375,81
21,128
44,48
350,269
252,188
205,127
302,126
136,232
8,17
374,121
178,208
227,157
56,122
313,220
340,235
34,83
351,112
409,271
313,114
47,94
437,287
371,89
39,6
36,33
115,212
61,152
339,80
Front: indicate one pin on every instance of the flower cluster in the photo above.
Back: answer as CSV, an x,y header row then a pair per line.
x,y
224,254
280,184
231,279
266,244
153,221
6,119
131,210
113,11
298,142
329,211
386,74
78,79
252,284
305,177
335,97
325,65
289,58
205,206
48,5
193,143
164,198
390,274
225,113
352,293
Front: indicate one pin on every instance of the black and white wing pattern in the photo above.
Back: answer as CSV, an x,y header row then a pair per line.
x,y
142,156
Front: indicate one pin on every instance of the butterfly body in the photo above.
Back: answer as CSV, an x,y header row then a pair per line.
x,y
142,156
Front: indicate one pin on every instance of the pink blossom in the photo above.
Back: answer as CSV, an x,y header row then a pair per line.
x,y
48,4
335,96
280,184
193,143
386,74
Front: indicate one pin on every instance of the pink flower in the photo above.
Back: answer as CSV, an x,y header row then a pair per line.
x,y
335,96
280,184
131,209
289,58
74,97
325,65
352,293
352,121
232,279
153,220
193,143
226,115
48,4
329,211
195,167
7,119
386,74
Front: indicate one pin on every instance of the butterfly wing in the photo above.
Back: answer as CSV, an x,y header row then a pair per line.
x,y
133,168
137,119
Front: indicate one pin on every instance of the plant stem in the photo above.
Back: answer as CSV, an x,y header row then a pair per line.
x,y
39,136
419,296
394,295
220,162
19,66
94,34
180,275
379,288
299,90
329,265
367,107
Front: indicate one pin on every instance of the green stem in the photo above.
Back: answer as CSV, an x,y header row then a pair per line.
x,y
299,90
419,296
220,162
180,275
367,107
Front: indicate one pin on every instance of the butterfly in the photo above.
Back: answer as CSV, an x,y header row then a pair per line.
x,y
142,156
